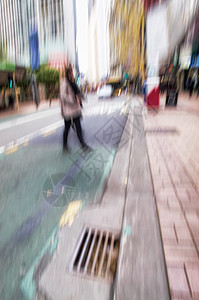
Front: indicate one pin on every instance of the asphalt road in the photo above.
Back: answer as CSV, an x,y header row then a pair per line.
x,y
38,181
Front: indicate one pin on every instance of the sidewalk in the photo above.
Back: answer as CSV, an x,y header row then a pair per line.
x,y
172,137
184,102
28,108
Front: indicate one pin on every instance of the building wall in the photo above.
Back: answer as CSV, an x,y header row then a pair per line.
x,y
102,8
126,45
13,30
93,68
99,65
180,16
54,20
69,30
48,16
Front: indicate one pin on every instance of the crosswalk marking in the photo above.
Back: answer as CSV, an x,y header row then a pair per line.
x,y
105,109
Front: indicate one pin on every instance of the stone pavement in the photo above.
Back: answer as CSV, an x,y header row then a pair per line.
x,y
141,269
172,137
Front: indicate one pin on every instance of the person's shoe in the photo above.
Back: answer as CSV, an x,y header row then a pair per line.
x,y
66,150
86,148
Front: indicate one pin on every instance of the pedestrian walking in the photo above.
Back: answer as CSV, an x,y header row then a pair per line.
x,y
35,91
11,100
144,91
70,98
190,85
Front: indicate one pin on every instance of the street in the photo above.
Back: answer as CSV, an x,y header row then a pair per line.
x,y
38,181
99,160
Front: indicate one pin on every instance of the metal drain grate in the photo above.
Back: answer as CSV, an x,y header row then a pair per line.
x,y
96,254
161,130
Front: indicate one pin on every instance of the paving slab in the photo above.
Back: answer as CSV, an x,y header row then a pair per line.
x,y
177,206
141,268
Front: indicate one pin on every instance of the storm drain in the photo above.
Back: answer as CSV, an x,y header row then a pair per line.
x,y
96,254
161,130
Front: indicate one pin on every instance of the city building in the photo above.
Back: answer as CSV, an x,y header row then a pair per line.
x,y
98,39
13,30
126,38
55,21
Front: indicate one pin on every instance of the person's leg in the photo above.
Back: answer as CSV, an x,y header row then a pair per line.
x,y
65,134
79,130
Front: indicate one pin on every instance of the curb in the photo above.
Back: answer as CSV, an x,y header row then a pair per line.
x,y
28,285
105,176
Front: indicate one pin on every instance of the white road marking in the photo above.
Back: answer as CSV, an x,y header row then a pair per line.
x,y
24,139
104,108
2,149
29,118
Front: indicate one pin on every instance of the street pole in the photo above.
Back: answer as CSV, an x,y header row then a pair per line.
x,y
75,29
14,73
143,45
32,82
16,94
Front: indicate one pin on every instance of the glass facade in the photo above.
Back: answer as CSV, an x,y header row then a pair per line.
x,y
16,19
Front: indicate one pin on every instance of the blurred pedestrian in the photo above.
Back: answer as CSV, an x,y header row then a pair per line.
x,y
11,100
70,97
190,85
35,92
144,91
198,88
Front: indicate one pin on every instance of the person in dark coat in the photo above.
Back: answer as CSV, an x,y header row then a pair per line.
x,y
70,98
144,91
191,87
11,100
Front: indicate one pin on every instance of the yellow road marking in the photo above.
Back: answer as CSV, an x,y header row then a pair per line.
x,y
49,192
126,180
26,143
49,132
11,150
70,213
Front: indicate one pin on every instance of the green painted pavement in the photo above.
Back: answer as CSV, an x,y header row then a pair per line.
x,y
27,220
